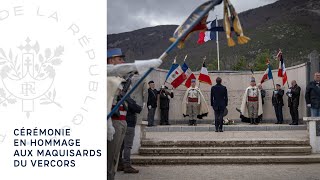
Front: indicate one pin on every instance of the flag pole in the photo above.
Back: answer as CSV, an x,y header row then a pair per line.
x,y
287,82
217,36
164,55
274,86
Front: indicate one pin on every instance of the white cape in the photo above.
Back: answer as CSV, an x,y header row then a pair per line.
x,y
203,104
244,108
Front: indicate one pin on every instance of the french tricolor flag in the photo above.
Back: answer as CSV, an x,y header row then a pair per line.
x,y
282,69
189,74
267,74
204,75
205,36
175,76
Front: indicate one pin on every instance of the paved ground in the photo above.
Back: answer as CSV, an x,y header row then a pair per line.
x,y
226,172
230,135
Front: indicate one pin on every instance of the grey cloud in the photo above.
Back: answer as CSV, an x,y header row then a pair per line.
x,y
128,15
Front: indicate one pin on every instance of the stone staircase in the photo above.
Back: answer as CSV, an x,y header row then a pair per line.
x,y
224,148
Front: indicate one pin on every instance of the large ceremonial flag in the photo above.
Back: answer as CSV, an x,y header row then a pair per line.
x,y
267,74
189,74
205,36
282,69
175,76
204,75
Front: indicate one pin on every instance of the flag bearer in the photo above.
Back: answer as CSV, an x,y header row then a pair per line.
x,y
251,106
194,104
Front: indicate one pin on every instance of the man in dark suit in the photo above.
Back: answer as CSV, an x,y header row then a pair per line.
x,y
219,102
312,95
277,102
152,102
165,96
293,101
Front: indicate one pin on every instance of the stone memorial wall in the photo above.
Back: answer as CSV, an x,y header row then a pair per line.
x,y
236,83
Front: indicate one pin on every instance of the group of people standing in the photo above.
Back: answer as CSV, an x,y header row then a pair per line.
x,y
152,102
293,94
195,107
253,100
193,104
123,121
121,125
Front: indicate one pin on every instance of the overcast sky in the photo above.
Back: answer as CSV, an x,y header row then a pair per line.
x,y
129,15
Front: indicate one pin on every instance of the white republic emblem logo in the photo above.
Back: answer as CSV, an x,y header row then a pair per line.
x,y
29,75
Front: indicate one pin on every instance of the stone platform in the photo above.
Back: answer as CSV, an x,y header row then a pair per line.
x,y
211,121
246,136
235,127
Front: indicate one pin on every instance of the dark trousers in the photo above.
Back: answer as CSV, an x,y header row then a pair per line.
x,y
294,114
315,112
259,119
125,152
114,147
278,110
218,115
151,113
164,116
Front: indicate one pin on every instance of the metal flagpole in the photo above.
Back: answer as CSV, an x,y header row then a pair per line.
x,y
274,87
217,36
185,58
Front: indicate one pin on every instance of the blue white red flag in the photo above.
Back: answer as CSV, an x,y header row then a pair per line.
x,y
175,76
189,75
282,68
205,36
204,75
267,74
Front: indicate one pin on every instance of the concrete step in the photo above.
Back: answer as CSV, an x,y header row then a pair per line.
x,y
170,160
226,143
225,151
210,121
235,127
